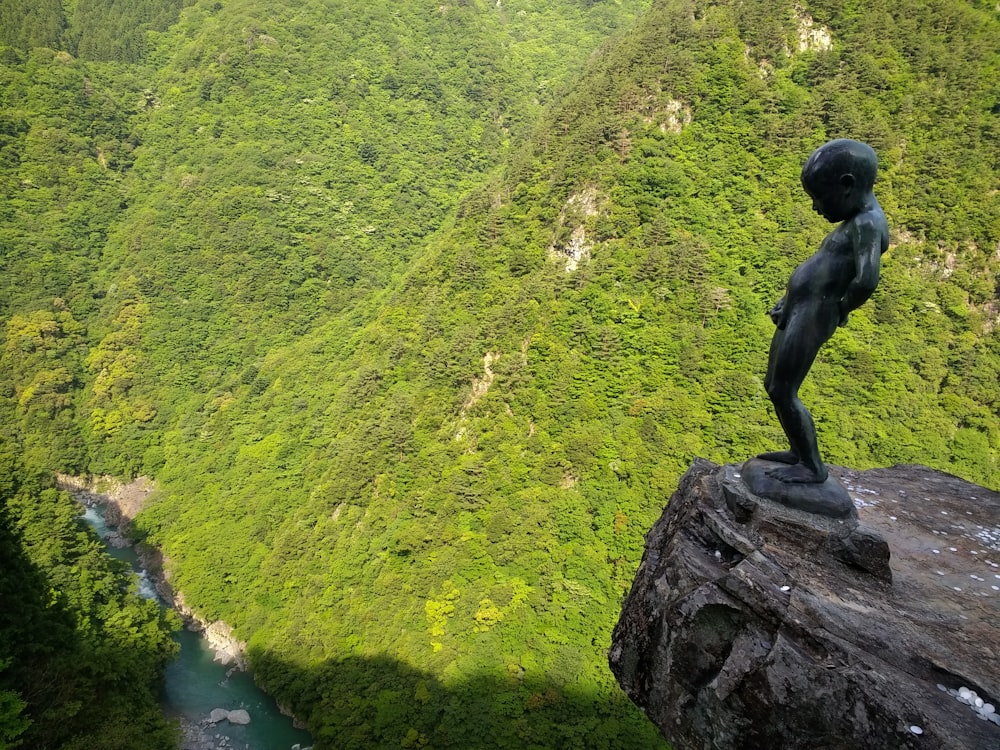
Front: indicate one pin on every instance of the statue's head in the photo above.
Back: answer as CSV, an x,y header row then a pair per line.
x,y
839,176
843,156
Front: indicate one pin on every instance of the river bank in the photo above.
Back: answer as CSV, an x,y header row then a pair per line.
x,y
120,502
208,680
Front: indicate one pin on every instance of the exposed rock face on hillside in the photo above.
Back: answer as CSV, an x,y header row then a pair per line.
x,y
122,501
765,628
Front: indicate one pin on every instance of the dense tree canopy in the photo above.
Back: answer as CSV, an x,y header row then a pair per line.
x,y
417,313
80,650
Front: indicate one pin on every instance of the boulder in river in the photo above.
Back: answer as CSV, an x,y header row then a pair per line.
x,y
239,716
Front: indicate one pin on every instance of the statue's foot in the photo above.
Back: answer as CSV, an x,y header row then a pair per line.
x,y
781,457
798,474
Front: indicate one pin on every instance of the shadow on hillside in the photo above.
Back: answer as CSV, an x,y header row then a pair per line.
x,y
381,703
69,670
39,646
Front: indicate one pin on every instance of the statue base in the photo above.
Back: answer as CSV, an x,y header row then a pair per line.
x,y
794,519
827,498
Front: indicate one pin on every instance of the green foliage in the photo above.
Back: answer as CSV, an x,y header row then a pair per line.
x,y
13,722
64,143
31,23
40,366
81,652
113,30
417,337
116,30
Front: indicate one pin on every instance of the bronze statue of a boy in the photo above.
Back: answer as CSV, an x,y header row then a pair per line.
x,y
838,278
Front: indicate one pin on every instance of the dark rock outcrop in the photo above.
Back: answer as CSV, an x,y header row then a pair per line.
x,y
750,625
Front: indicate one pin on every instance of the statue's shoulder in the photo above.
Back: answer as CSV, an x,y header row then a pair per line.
x,y
869,225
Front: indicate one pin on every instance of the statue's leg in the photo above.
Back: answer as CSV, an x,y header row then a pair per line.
x,y
781,457
789,456
792,358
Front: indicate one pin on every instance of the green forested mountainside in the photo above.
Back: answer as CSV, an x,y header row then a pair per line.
x,y
299,155
64,146
80,651
408,444
111,30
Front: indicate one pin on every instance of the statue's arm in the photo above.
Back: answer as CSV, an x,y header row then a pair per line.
x,y
777,313
866,242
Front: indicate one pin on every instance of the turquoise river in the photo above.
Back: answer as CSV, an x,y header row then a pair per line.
x,y
196,684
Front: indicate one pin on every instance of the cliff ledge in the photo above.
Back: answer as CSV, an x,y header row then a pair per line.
x,y
752,626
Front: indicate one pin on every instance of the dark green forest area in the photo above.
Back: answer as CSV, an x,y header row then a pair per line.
x,y
417,312
80,650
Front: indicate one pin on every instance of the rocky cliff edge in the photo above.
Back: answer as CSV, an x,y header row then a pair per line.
x,y
751,626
